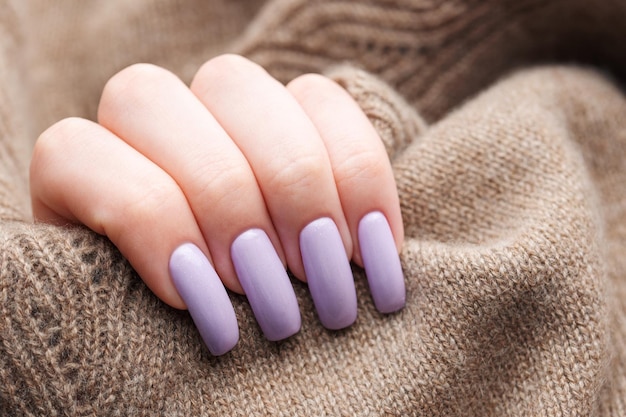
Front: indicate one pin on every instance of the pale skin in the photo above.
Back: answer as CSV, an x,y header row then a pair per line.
x,y
168,163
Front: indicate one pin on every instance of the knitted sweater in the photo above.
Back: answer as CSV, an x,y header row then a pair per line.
x,y
506,127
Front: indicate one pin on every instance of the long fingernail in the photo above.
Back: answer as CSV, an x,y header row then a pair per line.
x,y
382,263
267,286
206,298
328,273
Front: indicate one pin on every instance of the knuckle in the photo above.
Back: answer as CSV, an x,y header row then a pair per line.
x,y
312,86
131,86
55,141
221,68
365,165
152,204
299,173
219,182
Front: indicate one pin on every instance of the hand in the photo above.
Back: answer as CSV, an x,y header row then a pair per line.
x,y
229,181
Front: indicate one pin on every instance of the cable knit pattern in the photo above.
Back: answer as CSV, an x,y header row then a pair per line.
x,y
435,52
513,198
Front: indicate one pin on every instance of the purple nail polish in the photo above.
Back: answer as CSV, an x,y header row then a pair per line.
x,y
266,283
205,296
328,273
382,263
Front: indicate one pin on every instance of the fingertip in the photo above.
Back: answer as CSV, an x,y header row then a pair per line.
x,y
330,277
393,218
293,248
166,290
267,284
381,262
209,305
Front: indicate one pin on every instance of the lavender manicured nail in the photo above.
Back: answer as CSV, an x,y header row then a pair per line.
x,y
267,286
382,263
205,296
328,273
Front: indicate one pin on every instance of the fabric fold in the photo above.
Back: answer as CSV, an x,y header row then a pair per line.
x,y
513,198
507,303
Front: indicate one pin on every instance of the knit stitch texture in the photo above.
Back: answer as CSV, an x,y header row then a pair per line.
x,y
505,121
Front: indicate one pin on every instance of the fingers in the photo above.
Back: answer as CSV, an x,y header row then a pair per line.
x,y
361,169
231,179
324,175
364,181
82,172
156,114
281,144
291,165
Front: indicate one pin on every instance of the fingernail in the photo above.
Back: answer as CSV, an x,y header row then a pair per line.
x,y
206,298
267,286
328,273
382,263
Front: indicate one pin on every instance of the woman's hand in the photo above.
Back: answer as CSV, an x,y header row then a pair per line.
x,y
231,180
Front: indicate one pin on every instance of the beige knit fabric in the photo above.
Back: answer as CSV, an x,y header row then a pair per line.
x,y
506,126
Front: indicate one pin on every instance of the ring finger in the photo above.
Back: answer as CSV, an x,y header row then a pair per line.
x,y
294,173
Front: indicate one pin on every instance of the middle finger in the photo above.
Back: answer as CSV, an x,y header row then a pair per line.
x,y
155,113
292,167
